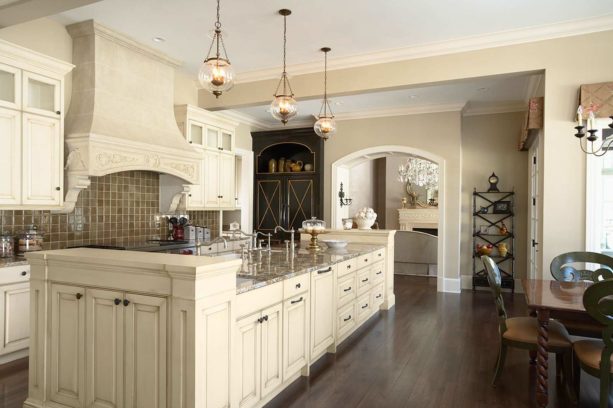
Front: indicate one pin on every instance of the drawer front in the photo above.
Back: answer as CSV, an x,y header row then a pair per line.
x,y
363,307
13,274
346,289
377,273
364,280
296,285
346,320
365,260
379,255
378,295
348,266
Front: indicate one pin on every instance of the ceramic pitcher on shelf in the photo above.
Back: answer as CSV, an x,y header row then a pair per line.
x,y
288,165
297,166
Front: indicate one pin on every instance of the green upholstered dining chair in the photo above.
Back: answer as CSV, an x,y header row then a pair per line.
x,y
594,356
522,332
562,269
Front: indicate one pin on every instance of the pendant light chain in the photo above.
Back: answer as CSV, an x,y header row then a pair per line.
x,y
325,83
218,29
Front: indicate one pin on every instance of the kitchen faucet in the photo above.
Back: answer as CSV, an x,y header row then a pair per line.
x,y
291,231
255,236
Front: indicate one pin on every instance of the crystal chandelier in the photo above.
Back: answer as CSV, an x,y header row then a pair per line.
x,y
216,73
284,107
587,144
325,127
419,172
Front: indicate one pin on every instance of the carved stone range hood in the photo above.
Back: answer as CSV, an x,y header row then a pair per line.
x,y
121,114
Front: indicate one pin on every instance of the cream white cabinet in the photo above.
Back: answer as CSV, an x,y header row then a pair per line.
x,y
213,135
260,354
108,348
295,334
15,313
10,86
67,345
10,157
31,128
323,310
42,161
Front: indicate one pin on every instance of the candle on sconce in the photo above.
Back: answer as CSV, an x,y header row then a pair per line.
x,y
591,121
580,116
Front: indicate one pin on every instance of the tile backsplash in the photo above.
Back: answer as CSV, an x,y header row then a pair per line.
x,y
117,209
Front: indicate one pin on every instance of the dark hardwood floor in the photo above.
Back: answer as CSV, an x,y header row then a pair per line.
x,y
431,350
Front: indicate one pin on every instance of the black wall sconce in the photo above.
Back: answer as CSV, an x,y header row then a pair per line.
x,y
341,195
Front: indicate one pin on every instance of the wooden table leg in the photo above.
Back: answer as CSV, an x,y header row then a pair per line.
x,y
542,360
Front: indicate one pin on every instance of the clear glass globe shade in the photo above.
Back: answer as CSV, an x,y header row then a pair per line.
x,y
216,75
283,108
325,127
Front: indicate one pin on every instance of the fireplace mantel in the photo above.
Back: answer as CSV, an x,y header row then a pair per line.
x,y
410,218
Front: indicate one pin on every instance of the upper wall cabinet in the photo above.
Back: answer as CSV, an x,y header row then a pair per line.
x,y
205,129
213,136
31,128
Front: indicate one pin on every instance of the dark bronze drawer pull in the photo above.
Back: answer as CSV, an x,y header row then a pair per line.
x,y
293,302
298,286
379,273
347,319
365,306
379,296
347,290
325,270
365,280
23,273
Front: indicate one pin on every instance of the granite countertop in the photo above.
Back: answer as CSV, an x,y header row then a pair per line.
x,y
13,261
276,266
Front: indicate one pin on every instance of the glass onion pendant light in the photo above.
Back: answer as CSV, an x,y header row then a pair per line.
x,y
284,107
325,127
216,73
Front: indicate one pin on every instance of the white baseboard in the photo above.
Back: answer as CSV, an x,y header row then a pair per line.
x,y
449,285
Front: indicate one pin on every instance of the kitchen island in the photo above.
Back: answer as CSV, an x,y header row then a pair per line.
x,y
123,328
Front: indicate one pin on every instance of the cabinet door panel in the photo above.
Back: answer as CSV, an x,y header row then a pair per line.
x,y
10,157
268,205
227,140
212,138
272,349
322,310
41,160
196,133
195,197
145,351
104,343
248,358
67,348
15,304
210,181
226,180
41,95
295,335
10,87
301,201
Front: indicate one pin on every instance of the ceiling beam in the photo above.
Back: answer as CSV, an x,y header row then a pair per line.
x,y
20,11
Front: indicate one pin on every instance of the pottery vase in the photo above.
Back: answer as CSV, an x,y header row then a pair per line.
x,y
281,165
503,249
272,166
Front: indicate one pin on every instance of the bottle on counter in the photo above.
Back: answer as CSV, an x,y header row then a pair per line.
x,y
7,249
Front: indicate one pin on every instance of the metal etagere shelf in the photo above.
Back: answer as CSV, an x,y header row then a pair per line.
x,y
487,212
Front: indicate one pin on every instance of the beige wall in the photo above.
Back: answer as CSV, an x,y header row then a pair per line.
x,y
562,158
489,145
186,90
436,133
362,188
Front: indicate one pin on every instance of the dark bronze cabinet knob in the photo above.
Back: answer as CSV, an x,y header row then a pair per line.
x,y
57,188
126,302
79,296
117,301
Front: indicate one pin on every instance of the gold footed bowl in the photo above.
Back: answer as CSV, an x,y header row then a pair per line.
x,y
314,244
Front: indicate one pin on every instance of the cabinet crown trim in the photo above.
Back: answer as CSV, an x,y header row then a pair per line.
x,y
30,60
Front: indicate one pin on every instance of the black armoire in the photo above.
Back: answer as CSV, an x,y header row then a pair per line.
x,y
287,198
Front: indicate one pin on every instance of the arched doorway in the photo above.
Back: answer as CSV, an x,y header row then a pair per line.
x,y
340,172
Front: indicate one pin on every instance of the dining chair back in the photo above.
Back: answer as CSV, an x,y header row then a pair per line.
x,y
494,279
598,302
562,270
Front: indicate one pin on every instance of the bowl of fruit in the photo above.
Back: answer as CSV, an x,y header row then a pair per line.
x,y
485,249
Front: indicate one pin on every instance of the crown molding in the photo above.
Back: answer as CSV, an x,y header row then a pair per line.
x,y
27,59
464,44
399,111
494,108
243,118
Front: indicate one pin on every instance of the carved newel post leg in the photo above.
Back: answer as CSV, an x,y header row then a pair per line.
x,y
542,361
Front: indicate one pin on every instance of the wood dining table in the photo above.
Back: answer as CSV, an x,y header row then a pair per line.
x,y
558,300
